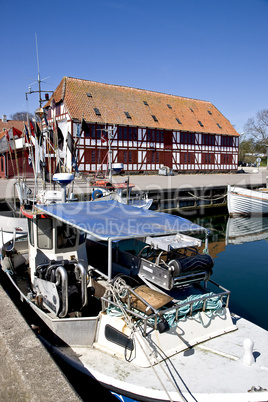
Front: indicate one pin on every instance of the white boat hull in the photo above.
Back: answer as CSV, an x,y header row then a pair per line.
x,y
144,203
196,372
241,201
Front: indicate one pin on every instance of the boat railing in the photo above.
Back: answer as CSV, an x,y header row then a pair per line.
x,y
151,317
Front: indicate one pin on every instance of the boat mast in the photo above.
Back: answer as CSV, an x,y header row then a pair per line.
x,y
110,137
40,113
38,74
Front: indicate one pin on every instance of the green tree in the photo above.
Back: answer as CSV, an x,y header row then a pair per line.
x,y
258,127
246,146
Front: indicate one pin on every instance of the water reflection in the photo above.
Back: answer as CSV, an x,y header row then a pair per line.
x,y
239,247
246,229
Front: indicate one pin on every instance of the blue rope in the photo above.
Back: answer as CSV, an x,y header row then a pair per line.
x,y
213,304
114,311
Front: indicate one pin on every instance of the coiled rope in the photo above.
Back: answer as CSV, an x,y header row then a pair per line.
x,y
213,306
119,289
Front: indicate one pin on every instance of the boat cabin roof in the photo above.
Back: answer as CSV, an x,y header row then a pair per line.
x,y
111,220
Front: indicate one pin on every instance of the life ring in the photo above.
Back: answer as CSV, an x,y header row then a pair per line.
x,y
97,194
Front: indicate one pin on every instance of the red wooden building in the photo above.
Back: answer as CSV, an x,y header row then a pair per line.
x,y
151,129
13,161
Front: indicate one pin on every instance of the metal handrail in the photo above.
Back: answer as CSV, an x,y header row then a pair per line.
x,y
159,313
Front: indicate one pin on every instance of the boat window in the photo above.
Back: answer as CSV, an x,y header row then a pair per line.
x,y
44,233
66,235
31,232
82,238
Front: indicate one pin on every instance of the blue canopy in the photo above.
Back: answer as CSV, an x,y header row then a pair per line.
x,y
113,220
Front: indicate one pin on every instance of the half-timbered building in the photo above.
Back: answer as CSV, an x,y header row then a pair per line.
x,y
14,154
150,129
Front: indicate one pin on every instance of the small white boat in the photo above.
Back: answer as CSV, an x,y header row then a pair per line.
x,y
134,305
243,201
12,223
104,190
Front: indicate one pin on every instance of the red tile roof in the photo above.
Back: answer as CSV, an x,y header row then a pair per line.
x,y
81,97
18,124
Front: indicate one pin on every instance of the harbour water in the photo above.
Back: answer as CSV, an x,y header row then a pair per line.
x,y
239,247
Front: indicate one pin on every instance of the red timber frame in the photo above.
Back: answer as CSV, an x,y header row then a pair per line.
x,y
146,149
18,165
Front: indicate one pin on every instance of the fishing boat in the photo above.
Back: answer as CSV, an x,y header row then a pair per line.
x,y
128,294
243,201
12,221
107,190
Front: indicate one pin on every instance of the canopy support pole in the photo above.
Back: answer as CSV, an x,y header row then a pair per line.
x,y
110,259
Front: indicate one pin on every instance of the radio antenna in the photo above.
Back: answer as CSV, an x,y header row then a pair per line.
x,y
38,81
38,72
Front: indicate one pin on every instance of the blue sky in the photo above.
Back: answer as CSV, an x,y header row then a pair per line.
x,y
215,50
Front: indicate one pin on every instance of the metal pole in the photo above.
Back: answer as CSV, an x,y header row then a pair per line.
x,y
110,154
110,243
38,76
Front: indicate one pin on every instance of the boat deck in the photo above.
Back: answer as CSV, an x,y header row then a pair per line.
x,y
187,372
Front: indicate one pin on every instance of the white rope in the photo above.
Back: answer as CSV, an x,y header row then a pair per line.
x,y
121,287
205,198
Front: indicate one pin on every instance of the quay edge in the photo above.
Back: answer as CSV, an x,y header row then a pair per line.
x,y
178,193
27,370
